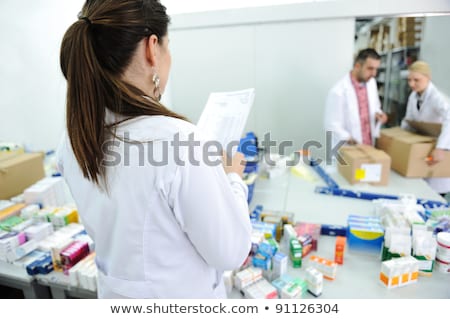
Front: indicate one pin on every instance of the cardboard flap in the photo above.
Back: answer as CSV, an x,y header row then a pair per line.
x,y
414,139
405,136
426,128
393,131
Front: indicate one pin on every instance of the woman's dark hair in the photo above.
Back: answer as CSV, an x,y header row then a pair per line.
x,y
95,52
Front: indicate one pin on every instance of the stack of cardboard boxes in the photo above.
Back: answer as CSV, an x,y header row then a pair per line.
x,y
379,38
409,32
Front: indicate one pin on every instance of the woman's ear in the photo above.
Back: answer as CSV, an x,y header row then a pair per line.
x,y
151,48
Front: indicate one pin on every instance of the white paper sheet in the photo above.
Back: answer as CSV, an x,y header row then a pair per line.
x,y
372,172
224,117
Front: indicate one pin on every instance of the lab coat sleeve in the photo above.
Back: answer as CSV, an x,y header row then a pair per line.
x,y
212,210
443,141
376,99
335,116
408,115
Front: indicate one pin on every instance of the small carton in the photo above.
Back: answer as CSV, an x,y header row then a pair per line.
x,y
365,234
409,152
364,163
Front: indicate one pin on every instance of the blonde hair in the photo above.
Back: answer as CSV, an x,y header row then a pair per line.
x,y
420,67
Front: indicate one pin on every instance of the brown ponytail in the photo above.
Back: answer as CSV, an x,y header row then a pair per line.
x,y
94,53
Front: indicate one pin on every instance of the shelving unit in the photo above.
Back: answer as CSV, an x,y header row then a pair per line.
x,y
393,86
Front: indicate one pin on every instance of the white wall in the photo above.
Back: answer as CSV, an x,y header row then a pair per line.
x,y
290,66
435,50
32,88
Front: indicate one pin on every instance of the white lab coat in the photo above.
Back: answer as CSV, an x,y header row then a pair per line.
x,y
166,231
434,109
342,111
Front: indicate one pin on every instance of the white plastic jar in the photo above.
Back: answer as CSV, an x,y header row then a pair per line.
x,y
442,262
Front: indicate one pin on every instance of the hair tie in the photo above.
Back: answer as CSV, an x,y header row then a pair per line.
x,y
81,17
86,19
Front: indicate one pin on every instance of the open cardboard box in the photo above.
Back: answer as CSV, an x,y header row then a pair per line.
x,y
409,151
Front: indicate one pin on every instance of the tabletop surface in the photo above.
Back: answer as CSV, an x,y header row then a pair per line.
x,y
358,277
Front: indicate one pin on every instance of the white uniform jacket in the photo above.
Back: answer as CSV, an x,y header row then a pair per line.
x,y
168,226
342,111
434,109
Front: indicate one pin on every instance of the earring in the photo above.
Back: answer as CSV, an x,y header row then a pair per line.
x,y
156,90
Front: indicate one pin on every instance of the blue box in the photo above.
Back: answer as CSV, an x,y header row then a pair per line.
x,y
365,234
333,230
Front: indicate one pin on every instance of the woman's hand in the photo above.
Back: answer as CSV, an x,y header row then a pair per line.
x,y
436,156
236,164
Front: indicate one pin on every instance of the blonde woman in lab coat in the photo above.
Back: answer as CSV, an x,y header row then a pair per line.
x,y
427,104
166,223
353,112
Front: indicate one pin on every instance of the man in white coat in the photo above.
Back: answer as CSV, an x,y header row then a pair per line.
x,y
427,104
353,112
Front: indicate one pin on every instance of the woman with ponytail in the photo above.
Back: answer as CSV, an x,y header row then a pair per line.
x,y
167,218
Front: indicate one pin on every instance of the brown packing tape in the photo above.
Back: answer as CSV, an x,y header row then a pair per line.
x,y
356,152
368,152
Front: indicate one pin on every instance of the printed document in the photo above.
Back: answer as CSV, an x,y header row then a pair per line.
x,y
224,117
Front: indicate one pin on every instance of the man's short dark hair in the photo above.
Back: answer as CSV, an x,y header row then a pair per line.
x,y
363,55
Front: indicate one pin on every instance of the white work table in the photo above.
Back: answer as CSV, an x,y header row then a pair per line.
x,y
54,285
358,277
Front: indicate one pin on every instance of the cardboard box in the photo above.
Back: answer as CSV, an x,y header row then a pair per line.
x,y
364,163
10,153
19,172
426,128
409,151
